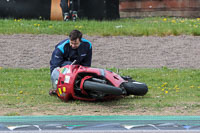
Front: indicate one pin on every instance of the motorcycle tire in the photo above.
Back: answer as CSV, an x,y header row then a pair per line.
x,y
135,88
100,87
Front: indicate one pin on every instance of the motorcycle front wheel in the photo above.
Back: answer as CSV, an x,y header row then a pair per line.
x,y
135,88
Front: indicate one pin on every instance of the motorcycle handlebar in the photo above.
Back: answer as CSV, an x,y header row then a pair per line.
x,y
73,62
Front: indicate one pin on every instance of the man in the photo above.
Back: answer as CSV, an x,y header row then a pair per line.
x,y
65,5
69,50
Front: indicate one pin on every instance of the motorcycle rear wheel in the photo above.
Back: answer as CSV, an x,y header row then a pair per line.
x,y
135,88
104,88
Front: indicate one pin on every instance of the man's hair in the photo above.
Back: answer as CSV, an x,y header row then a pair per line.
x,y
75,34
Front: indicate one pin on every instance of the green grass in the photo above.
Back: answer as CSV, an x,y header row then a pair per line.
x,y
156,26
178,88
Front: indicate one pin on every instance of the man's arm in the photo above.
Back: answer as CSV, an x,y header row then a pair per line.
x,y
88,59
56,59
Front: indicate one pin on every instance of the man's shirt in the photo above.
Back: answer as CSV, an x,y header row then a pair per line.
x,y
64,52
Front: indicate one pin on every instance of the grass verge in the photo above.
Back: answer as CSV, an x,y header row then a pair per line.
x,y
27,89
156,26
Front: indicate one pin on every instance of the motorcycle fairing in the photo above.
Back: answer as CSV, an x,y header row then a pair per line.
x,y
70,73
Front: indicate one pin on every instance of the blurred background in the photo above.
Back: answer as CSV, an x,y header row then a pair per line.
x,y
100,9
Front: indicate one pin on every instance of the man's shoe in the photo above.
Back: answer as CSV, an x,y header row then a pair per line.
x,y
66,17
74,15
52,92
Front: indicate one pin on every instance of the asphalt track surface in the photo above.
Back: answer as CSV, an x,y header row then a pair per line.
x,y
100,124
105,131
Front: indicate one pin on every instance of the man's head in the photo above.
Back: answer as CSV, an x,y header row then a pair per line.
x,y
75,38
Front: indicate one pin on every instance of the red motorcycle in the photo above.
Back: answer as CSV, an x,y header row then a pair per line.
x,y
90,84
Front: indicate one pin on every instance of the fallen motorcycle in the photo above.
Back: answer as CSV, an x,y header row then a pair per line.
x,y
90,84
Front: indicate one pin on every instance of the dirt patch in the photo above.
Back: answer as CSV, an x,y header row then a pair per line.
x,y
97,110
34,51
